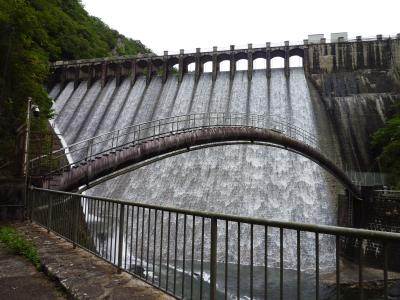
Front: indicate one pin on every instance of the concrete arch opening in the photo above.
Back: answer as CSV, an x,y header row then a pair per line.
x,y
242,64
175,69
142,67
191,67
296,61
260,64
225,65
207,67
224,62
277,63
157,67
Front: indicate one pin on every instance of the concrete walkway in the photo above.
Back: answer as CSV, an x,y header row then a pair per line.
x,y
19,280
81,274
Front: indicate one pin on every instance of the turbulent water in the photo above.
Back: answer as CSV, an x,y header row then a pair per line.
x,y
255,181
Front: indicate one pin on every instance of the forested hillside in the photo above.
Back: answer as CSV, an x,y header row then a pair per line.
x,y
34,32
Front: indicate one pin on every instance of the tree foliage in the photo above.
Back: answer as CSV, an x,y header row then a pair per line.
x,y
387,142
34,32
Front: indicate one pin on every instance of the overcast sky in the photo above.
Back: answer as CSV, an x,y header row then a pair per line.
x,y
187,24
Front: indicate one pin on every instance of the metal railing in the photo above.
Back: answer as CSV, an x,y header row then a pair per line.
x,y
83,151
58,161
199,255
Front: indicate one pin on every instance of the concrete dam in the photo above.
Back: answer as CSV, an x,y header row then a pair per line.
x,y
339,103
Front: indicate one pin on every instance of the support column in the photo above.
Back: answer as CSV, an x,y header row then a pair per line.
x,y
360,52
90,76
63,78
287,70
306,66
165,67
133,71
232,68
340,53
268,57
198,70
215,66
76,77
378,51
181,65
249,61
118,75
149,71
103,74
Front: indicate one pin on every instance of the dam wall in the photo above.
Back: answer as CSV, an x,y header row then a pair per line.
x,y
96,96
380,53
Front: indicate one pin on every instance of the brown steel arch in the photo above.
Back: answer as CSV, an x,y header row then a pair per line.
x,y
136,153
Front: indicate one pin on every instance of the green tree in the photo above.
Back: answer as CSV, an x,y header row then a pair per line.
x,y
386,140
34,32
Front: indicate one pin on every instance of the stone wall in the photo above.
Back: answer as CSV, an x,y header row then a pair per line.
x,y
378,211
350,56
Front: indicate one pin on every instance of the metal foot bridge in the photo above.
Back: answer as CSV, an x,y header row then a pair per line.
x,y
102,157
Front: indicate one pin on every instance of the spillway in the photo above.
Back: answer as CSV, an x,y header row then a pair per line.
x,y
249,180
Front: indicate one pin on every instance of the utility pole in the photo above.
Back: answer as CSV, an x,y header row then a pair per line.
x,y
26,150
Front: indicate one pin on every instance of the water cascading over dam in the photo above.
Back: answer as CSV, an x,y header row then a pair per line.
x,y
245,180
341,96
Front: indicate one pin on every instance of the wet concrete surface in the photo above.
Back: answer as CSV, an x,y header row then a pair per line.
x,y
82,274
20,280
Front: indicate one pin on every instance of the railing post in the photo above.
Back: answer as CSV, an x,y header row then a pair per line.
x,y
121,236
89,150
112,139
213,259
49,212
75,224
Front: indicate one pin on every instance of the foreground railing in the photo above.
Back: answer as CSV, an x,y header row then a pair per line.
x,y
199,255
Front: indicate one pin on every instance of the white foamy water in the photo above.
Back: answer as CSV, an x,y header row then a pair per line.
x,y
255,181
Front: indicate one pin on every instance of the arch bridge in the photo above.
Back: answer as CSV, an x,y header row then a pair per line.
x,y
91,160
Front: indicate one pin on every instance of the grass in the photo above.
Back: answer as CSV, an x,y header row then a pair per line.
x,y
19,245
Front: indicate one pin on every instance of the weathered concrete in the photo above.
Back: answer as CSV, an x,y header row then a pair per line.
x,y
19,280
82,274
379,211
372,281
318,58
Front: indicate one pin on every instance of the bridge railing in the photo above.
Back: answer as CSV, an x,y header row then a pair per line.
x,y
90,149
199,255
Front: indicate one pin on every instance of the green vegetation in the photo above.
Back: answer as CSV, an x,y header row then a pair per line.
x,y
386,140
34,32
19,245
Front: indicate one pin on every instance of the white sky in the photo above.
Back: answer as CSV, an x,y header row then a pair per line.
x,y
187,24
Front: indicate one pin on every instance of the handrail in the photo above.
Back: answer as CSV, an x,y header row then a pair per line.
x,y
104,143
325,229
86,150
162,245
